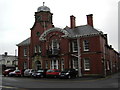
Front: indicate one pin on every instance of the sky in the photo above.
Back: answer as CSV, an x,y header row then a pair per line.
x,y
17,17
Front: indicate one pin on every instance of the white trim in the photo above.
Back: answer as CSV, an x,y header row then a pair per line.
x,y
25,51
43,36
84,45
35,49
53,64
73,45
62,64
87,63
39,49
108,65
75,62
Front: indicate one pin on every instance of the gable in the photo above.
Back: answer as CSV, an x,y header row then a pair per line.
x,y
43,36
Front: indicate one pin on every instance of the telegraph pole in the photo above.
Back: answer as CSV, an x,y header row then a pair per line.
x,y
79,58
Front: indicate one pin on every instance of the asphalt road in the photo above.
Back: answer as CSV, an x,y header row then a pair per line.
x,y
15,83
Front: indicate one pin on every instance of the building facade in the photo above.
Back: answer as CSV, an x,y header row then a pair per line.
x,y
83,47
8,61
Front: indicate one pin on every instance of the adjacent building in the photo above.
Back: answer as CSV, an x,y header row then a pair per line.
x,y
8,61
82,47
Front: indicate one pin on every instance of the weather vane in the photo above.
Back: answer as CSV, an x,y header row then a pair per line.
x,y
43,3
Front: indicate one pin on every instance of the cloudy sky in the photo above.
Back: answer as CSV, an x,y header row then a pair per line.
x,y
17,17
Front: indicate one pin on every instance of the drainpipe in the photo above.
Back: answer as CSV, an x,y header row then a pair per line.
x,y
79,58
104,60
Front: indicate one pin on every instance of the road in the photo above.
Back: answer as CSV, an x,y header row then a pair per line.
x,y
24,82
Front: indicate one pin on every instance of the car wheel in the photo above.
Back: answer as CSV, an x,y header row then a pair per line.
x,y
42,76
76,76
69,76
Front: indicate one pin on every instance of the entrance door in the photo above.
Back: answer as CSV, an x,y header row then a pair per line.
x,y
38,65
54,64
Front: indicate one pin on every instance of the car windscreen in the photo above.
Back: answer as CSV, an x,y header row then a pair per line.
x,y
66,70
50,70
40,71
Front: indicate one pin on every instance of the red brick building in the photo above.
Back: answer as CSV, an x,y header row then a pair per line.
x,y
56,48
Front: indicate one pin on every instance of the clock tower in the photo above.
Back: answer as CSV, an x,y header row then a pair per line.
x,y
43,22
43,16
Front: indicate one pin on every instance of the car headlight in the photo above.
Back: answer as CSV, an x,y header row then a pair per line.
x,y
67,73
59,73
38,73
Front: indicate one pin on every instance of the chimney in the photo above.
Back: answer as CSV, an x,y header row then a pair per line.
x,y
72,21
90,19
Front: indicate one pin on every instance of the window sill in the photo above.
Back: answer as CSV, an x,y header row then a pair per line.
x,y
86,70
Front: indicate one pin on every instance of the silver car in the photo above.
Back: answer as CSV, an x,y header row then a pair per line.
x,y
28,72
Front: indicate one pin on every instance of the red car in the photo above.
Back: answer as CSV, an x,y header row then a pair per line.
x,y
15,73
52,73
7,71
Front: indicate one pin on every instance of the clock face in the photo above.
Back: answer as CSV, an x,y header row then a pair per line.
x,y
38,18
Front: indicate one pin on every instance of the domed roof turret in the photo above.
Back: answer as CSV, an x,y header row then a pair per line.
x,y
43,8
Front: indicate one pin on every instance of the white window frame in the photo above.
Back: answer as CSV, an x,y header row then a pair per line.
x,y
35,49
75,63
73,46
86,64
57,46
86,45
46,64
108,65
62,64
25,51
39,49
25,65
54,64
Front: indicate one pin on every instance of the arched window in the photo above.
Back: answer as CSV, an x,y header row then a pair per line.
x,y
55,44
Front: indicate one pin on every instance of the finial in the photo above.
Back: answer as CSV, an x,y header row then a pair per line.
x,y
43,3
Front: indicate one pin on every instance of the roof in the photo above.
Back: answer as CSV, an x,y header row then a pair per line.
x,y
43,8
82,31
79,31
24,43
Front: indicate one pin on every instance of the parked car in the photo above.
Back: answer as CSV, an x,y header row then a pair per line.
x,y
7,71
15,73
68,73
52,73
28,72
39,73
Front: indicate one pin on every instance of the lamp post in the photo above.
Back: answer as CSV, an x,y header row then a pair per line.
x,y
79,58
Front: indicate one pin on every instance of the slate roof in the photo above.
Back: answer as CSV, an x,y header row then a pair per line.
x,y
24,43
82,31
